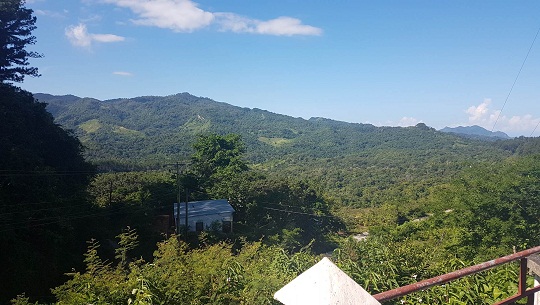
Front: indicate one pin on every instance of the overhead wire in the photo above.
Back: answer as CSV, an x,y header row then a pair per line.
x,y
515,80
535,128
54,219
45,209
120,210
301,213
33,173
75,216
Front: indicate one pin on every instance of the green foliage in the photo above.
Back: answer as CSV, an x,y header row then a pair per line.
x,y
135,200
433,237
432,202
43,204
497,203
379,265
16,26
355,164
134,189
94,263
21,299
127,241
215,274
217,159
288,212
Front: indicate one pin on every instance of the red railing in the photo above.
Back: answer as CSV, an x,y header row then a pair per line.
x,y
523,292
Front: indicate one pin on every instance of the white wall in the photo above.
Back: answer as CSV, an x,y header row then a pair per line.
x,y
207,220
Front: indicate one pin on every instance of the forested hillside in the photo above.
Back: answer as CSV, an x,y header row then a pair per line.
x,y
151,129
82,210
432,203
357,164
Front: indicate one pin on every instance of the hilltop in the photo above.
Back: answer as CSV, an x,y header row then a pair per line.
x,y
356,163
156,128
476,131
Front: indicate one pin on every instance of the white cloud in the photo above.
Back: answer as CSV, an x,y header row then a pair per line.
x,y
177,15
286,26
403,122
483,116
92,19
122,73
78,36
106,37
282,26
235,23
478,113
51,14
408,121
186,16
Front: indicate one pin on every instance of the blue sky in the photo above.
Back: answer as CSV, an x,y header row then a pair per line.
x,y
391,63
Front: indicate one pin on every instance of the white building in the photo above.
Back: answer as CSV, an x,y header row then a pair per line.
x,y
205,215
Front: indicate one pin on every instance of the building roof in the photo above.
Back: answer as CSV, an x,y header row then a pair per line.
x,y
205,207
324,284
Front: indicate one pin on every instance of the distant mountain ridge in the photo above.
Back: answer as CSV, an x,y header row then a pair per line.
x,y
163,127
476,131
356,163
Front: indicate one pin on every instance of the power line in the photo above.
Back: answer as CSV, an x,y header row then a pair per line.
x,y
535,128
29,203
515,80
301,213
75,216
44,209
156,195
17,173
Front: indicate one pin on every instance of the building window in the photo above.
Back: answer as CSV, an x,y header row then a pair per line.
x,y
199,226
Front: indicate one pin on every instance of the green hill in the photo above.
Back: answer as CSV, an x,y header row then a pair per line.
x,y
356,163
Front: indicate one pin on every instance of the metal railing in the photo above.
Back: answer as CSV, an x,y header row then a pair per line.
x,y
523,292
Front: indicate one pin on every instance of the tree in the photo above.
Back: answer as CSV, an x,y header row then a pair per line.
x,y
16,26
217,159
43,178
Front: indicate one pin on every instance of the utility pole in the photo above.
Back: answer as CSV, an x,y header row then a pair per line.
x,y
186,229
178,196
177,166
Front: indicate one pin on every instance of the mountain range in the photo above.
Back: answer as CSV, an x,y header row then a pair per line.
x,y
354,162
476,131
153,127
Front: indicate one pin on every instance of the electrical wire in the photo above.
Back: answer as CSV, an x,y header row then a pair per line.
x,y
75,216
535,128
45,209
53,220
515,80
301,213
19,173
120,210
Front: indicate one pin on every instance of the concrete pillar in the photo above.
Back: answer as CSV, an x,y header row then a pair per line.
x,y
533,263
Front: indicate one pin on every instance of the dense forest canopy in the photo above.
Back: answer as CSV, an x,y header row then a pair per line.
x,y
352,162
433,202
425,202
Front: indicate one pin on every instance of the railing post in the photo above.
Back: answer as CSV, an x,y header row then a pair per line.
x,y
533,262
522,287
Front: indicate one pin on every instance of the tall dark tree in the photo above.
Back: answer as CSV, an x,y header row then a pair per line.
x,y
43,210
16,26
